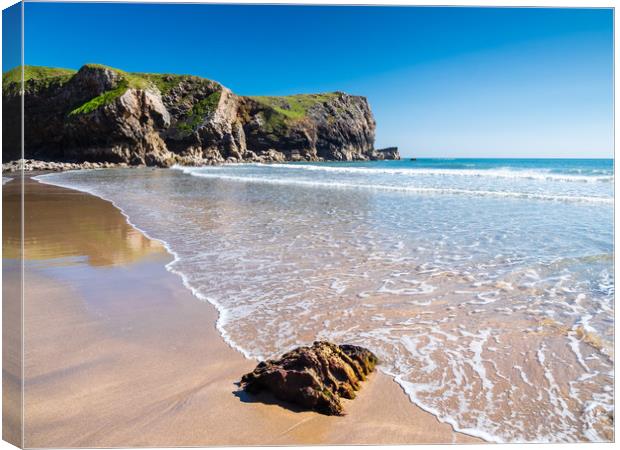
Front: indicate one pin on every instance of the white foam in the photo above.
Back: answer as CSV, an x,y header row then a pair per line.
x,y
540,174
523,375
395,188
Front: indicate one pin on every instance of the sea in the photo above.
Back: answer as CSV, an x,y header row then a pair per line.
x,y
485,286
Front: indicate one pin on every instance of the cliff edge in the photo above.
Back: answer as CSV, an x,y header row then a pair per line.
x,y
102,114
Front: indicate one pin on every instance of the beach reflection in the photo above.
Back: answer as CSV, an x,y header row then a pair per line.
x,y
87,228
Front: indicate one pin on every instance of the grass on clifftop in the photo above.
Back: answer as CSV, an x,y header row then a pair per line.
x,y
34,73
278,112
35,77
282,110
134,80
294,106
137,80
165,82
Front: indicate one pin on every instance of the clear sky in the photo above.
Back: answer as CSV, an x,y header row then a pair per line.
x,y
11,36
445,82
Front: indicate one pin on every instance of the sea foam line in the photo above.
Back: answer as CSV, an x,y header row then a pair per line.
x,y
493,173
407,189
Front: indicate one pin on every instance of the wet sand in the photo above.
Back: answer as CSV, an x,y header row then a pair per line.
x,y
119,353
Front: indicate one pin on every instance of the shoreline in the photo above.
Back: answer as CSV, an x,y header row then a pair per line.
x,y
381,405
168,266
221,311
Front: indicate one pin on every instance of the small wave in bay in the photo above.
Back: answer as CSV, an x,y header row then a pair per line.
x,y
544,174
269,178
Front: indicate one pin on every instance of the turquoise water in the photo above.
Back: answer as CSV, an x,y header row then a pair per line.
x,y
485,286
551,165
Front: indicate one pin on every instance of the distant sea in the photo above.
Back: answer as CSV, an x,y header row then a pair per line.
x,y
485,286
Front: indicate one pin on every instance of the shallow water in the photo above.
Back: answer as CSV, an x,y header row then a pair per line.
x,y
485,286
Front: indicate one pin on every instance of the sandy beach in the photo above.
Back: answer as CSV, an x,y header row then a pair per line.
x,y
119,353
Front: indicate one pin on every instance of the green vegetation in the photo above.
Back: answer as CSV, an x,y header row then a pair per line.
x,y
34,73
294,106
165,82
282,110
127,81
100,66
278,112
199,111
134,80
100,100
36,77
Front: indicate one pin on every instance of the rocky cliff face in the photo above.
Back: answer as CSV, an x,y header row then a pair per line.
x,y
103,114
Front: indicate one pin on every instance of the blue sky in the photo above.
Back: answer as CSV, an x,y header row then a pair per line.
x,y
11,37
477,82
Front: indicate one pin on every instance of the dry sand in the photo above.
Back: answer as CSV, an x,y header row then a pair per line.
x,y
119,353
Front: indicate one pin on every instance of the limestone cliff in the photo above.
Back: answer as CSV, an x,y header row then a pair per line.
x,y
103,114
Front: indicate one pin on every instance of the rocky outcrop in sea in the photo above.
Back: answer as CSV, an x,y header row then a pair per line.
x,y
314,377
101,114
